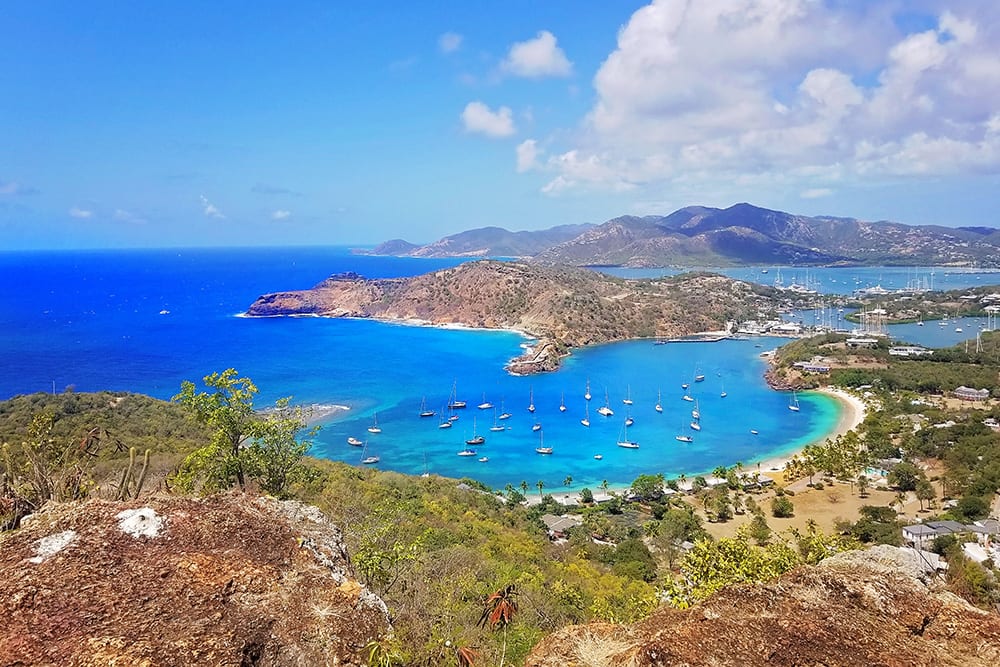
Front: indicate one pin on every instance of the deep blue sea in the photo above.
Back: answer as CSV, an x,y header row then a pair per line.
x,y
145,320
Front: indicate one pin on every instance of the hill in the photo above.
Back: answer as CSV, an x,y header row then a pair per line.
x,y
485,242
739,235
563,306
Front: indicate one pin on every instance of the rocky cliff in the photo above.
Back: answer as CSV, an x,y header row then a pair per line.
x,y
859,608
227,580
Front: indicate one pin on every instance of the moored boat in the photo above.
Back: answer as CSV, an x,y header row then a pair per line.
x,y
354,442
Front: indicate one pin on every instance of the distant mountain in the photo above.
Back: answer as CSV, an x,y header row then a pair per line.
x,y
746,234
485,242
739,235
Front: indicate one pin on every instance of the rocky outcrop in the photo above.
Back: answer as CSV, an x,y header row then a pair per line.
x,y
226,580
861,608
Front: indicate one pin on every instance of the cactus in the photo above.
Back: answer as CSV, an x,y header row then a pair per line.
x,y
142,475
123,485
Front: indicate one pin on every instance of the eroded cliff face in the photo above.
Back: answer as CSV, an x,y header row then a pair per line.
x,y
861,608
226,580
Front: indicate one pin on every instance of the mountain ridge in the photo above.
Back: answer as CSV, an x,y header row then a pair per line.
x,y
742,234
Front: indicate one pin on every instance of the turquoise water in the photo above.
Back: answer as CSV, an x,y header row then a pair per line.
x,y
146,320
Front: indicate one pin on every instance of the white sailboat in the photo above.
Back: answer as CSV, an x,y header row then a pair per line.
x,y
424,412
586,395
367,459
628,418
684,438
354,442
624,441
374,428
659,405
485,405
586,415
541,448
723,394
453,402
628,395
496,426
696,413
794,405
445,421
503,413
606,408
475,439
562,402
531,399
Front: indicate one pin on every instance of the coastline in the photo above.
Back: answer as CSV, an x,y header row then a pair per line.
x,y
852,413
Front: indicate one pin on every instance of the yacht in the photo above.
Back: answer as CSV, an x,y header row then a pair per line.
x,y
424,412
537,426
606,408
794,405
467,452
562,403
586,395
354,442
659,406
485,405
628,396
684,438
475,439
496,426
453,402
503,413
625,442
368,459
374,428
541,448
531,399
586,416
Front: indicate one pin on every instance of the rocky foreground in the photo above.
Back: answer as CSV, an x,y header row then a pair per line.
x,y
564,307
181,581
859,608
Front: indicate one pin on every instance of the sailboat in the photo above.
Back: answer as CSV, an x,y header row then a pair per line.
x,y
723,394
496,426
445,421
586,395
537,426
606,408
354,442
485,405
374,428
684,438
794,405
562,402
695,425
453,402
468,451
624,441
367,459
628,395
754,431
699,377
696,413
531,399
424,412
659,406
475,439
541,448
628,418
586,415
503,413
687,397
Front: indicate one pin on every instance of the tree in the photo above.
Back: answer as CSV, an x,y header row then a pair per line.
x,y
924,492
246,444
499,610
904,476
863,484
524,488
541,485
568,481
782,507
586,496
759,530
648,487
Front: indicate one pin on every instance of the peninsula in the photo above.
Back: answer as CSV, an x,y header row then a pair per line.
x,y
562,306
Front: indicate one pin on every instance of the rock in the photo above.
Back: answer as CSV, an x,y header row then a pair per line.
x,y
863,608
225,580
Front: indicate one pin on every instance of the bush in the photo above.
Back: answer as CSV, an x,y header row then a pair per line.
x,y
782,508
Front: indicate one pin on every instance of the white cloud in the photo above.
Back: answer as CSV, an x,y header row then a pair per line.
x,y
816,193
791,92
281,214
121,215
527,155
15,189
80,213
479,118
450,42
537,57
209,209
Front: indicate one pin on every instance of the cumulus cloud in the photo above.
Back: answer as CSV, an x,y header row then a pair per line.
x,y
280,214
450,42
80,213
537,57
210,210
121,215
479,118
790,92
527,155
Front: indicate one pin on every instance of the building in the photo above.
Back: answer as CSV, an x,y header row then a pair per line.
x,y
861,342
970,394
909,351
558,526
920,534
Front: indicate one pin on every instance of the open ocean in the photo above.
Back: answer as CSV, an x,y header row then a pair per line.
x,y
145,320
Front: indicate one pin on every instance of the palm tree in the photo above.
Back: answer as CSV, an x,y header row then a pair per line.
x,y
541,485
568,481
524,487
604,486
499,610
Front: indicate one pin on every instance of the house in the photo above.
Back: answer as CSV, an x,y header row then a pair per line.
x,y
558,526
861,342
921,533
909,351
970,394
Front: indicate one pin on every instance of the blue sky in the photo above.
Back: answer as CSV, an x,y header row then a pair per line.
x,y
234,123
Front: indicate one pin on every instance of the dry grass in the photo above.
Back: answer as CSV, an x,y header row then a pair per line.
x,y
597,651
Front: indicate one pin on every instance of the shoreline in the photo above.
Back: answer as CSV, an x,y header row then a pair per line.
x,y
852,412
